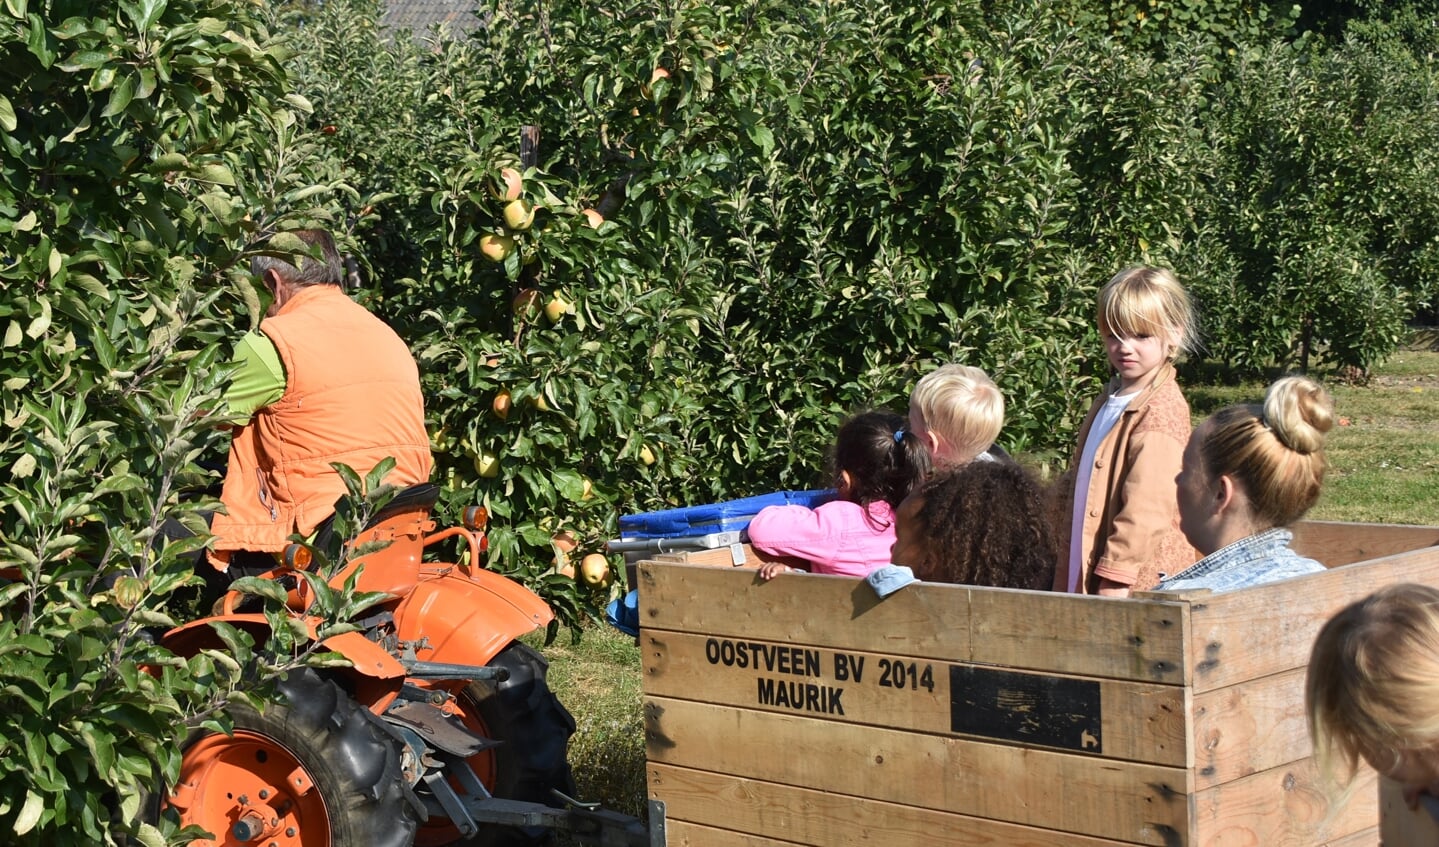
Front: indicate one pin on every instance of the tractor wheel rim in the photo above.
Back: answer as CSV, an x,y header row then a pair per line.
x,y
253,777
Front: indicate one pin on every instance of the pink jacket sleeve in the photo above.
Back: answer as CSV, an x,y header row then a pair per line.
x,y
811,534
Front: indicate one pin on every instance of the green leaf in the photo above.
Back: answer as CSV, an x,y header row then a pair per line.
x,y
214,172
267,588
41,324
29,813
150,11
148,835
120,97
39,40
25,465
16,8
763,138
569,483
101,746
7,114
72,28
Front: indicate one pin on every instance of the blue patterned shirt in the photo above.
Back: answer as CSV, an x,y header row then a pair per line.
x,y
1255,560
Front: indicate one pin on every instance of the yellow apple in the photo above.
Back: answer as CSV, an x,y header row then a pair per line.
x,y
647,90
496,247
595,569
557,308
525,303
510,184
501,404
565,541
519,214
593,218
487,464
647,455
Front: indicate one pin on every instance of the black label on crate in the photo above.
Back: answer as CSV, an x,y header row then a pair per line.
x,y
1053,711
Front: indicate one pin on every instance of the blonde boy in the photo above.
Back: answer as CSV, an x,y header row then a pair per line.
x,y
957,412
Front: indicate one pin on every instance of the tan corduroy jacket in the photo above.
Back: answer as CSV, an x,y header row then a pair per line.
x,y
1131,517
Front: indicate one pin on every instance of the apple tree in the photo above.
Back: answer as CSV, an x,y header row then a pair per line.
x,y
146,146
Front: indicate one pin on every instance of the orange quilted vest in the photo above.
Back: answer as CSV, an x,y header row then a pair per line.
x,y
352,395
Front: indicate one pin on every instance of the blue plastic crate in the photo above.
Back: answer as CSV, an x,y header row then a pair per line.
x,y
714,517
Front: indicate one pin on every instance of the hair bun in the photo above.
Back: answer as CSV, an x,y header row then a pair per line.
x,y
1299,412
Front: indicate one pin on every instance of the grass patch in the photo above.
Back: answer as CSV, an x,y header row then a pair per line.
x,y
598,680
1384,455
1384,468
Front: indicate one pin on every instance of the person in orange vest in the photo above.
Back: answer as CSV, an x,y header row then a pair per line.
x,y
321,381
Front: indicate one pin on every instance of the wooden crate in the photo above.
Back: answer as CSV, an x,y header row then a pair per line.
x,y
805,711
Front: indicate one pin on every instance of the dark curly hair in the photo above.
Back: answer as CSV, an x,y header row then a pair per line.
x,y
885,462
986,523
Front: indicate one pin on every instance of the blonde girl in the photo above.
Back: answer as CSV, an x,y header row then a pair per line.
x,y
1372,691
1123,519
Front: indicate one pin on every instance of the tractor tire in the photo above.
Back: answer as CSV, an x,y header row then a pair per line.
x,y
313,770
533,758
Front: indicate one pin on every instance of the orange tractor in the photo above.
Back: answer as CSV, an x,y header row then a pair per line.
x,y
442,731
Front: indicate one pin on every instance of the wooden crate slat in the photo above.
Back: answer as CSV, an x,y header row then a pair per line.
x,y
1287,806
1123,801
1141,640
721,557
1364,838
1250,727
1121,720
1335,543
1269,629
687,834
1400,827
802,816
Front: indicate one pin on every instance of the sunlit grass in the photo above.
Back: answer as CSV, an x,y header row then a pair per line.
x,y
598,680
1384,455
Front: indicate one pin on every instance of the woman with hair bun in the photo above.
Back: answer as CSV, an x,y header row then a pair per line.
x,y
1248,472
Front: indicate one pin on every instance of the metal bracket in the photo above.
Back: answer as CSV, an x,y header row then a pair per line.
x,y
657,823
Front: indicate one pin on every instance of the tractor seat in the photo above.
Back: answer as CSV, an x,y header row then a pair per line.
x,y
422,496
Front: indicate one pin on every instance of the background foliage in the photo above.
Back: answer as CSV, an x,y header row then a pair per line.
x,y
806,205
813,204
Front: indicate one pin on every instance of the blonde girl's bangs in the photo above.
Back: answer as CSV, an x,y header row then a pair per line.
x,y
1147,301
1129,312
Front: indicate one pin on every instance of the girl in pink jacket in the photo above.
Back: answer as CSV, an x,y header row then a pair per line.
x,y
875,464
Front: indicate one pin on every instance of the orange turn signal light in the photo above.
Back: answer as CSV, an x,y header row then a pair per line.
x,y
476,517
299,557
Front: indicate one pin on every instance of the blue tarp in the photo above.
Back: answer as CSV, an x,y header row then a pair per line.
x,y
714,517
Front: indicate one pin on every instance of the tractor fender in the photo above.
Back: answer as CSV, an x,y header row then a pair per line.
x,y
468,618
189,639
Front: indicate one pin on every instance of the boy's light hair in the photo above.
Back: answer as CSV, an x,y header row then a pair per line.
x,y
961,405
1147,301
1373,680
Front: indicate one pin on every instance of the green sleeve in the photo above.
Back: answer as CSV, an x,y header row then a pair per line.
x,y
258,379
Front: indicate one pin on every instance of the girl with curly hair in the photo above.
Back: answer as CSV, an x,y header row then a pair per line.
x,y
984,523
